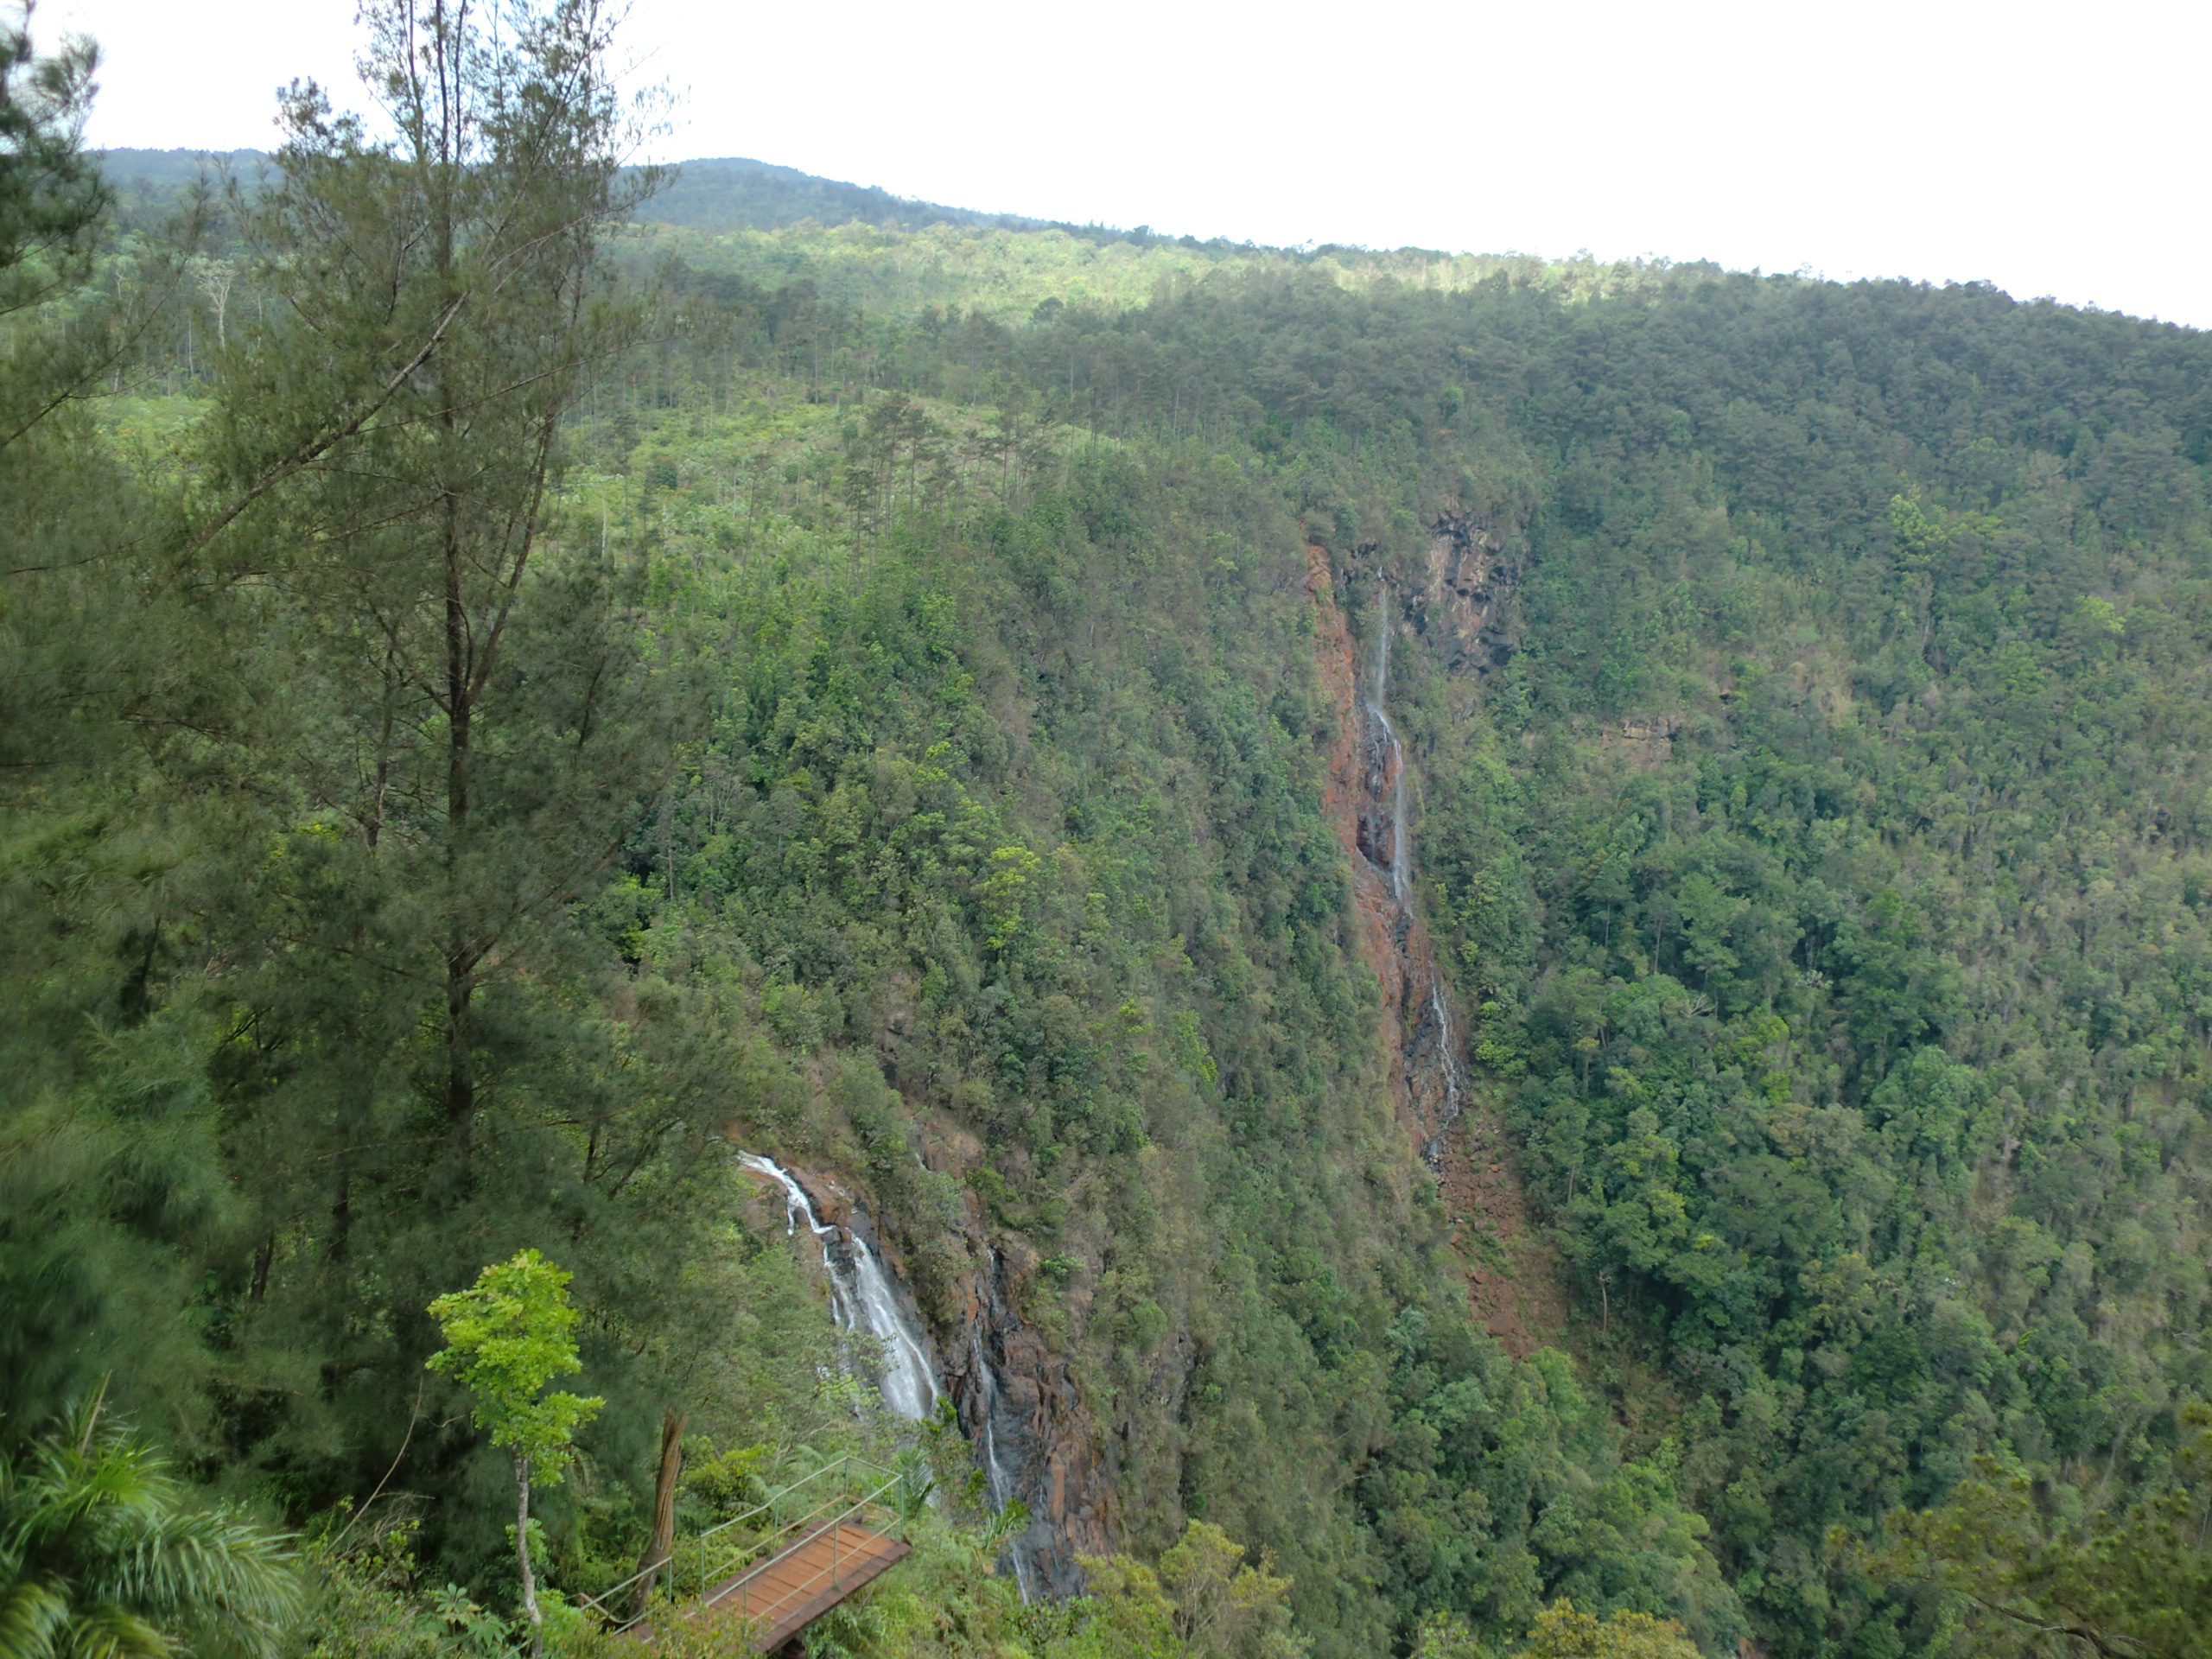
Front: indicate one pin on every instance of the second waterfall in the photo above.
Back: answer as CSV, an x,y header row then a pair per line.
x,y
1429,1076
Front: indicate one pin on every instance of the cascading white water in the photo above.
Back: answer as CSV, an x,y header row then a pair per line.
x,y
1000,1477
860,1297
1448,1045
1400,858
1376,700
909,1385
1455,1087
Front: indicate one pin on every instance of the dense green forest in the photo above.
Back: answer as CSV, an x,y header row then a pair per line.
x,y
526,676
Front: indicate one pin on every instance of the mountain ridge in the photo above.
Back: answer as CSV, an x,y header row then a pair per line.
x,y
714,193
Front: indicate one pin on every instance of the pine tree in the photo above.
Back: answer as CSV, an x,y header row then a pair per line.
x,y
104,1161
460,719
390,452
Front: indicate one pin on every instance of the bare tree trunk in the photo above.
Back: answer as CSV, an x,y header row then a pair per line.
x,y
673,1425
522,1559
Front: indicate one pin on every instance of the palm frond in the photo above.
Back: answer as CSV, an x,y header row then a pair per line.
x,y
212,1566
110,1632
33,1613
104,1554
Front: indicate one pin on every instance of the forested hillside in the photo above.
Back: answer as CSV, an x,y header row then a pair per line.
x,y
718,196
1505,932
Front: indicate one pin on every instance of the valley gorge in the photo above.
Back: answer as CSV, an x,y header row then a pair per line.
x,y
1016,1398
1452,955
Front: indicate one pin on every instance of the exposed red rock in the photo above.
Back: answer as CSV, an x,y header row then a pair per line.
x,y
1512,1280
1357,793
1512,1274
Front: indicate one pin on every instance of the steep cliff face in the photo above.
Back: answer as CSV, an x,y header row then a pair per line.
x,y
1461,606
1366,792
1458,610
1019,1408
1014,1391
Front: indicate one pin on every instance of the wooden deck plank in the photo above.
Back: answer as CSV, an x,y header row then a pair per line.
x,y
798,1585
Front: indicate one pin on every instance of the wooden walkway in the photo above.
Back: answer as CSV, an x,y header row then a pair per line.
x,y
796,1586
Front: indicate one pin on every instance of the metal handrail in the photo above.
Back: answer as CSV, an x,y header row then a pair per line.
x,y
836,1523
767,1506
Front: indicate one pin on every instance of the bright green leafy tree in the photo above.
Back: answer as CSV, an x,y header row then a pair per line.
x,y
1561,1632
507,1336
1202,1601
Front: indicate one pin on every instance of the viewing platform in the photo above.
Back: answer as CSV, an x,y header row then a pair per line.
x,y
776,1570
789,1590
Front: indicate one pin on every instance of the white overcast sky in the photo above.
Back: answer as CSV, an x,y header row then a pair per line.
x,y
2060,150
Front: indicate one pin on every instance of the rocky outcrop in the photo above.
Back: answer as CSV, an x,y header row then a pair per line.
x,y
1461,605
1646,741
1019,1406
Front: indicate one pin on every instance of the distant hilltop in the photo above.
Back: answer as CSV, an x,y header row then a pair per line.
x,y
716,194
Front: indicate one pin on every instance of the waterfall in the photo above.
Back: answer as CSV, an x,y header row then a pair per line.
x,y
862,1298
1455,1084
1454,1081
1374,700
1401,857
1001,1477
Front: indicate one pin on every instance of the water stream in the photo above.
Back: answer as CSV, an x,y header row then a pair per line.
x,y
1374,700
1400,869
995,1471
1455,1083
861,1299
